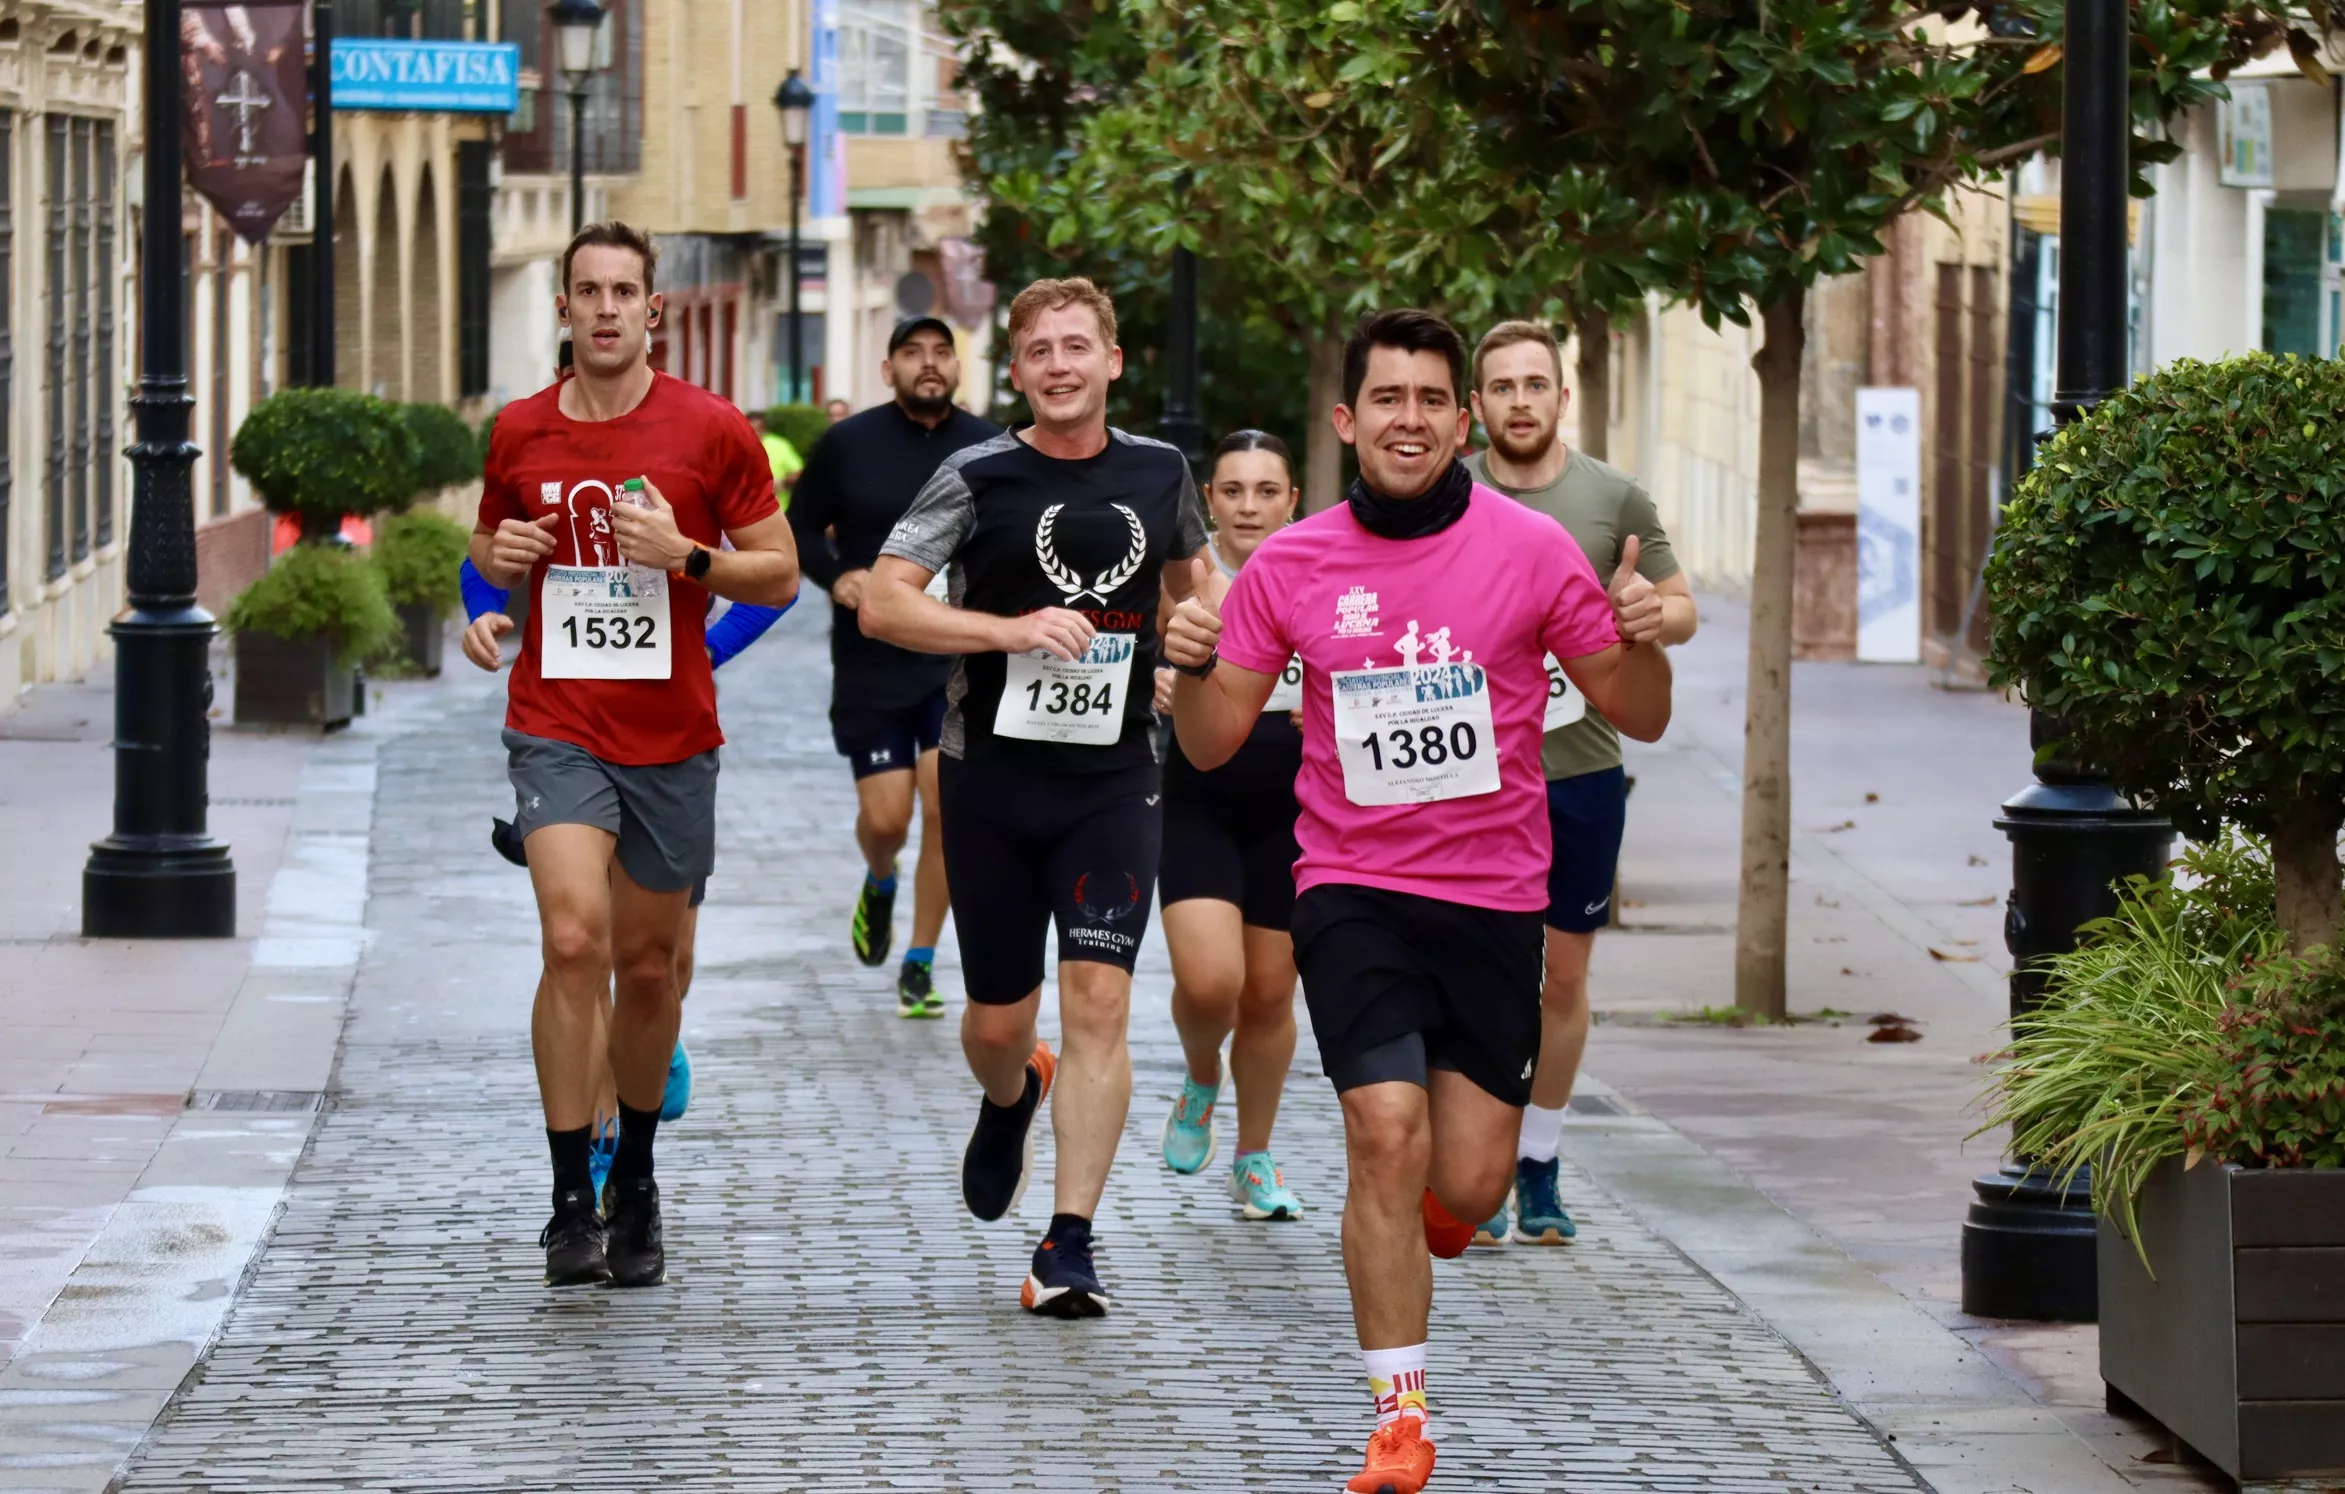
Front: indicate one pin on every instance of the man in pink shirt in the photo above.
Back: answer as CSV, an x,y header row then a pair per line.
x,y
1422,610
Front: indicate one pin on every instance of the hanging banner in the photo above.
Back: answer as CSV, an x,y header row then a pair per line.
x,y
1888,525
244,109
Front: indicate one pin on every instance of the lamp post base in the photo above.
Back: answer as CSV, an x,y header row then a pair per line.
x,y
2029,1248
158,887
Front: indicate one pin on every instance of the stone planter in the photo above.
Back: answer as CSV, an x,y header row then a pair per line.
x,y
420,624
292,682
2237,1346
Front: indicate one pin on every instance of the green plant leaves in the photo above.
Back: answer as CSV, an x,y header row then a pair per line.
x,y
321,590
329,452
419,555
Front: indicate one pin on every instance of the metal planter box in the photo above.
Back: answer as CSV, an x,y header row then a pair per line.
x,y
292,682
420,622
2238,1346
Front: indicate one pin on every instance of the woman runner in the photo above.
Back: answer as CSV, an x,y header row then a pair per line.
x,y
1227,880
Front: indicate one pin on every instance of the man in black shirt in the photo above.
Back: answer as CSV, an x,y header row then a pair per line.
x,y
887,704
1055,542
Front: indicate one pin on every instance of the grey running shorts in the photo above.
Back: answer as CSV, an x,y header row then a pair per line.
x,y
665,814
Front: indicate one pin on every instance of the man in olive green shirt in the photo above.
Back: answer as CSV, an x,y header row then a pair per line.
x,y
1520,399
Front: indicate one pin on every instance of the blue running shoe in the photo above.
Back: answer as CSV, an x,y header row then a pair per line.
x,y
1492,1231
1539,1218
1190,1134
1064,1282
1260,1188
602,1152
678,1095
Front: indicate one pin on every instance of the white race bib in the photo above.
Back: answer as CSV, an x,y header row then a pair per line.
x,y
1414,734
1287,694
1565,704
604,622
1048,699
938,588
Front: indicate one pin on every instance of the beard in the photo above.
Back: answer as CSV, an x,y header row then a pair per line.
x,y
1522,452
925,407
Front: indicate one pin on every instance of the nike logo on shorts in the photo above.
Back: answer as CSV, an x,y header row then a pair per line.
x,y
1150,801
1596,907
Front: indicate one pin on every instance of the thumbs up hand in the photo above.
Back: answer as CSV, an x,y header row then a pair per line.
x,y
1636,606
1195,630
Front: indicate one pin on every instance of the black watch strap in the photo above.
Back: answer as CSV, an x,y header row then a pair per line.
x,y
696,564
1198,671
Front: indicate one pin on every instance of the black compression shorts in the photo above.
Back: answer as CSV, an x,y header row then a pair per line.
x,y
1027,845
1234,847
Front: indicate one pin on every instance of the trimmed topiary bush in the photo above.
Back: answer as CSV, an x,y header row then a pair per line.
x,y
419,554
448,450
800,425
2169,585
323,453
320,591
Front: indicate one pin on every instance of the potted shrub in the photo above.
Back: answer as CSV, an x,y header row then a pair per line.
x,y
302,630
2168,586
419,554
325,453
447,450
800,425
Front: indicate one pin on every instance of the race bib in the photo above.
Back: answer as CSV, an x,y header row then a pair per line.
x,y
1565,704
938,588
1048,699
604,622
1287,694
1414,734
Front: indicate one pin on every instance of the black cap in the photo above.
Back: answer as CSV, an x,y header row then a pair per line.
x,y
912,324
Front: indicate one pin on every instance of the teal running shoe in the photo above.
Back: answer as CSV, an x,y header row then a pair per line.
x,y
1258,1185
602,1152
678,1095
1190,1134
1492,1231
1539,1218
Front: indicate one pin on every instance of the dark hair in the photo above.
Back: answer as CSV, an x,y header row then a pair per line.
x,y
1250,440
1411,331
613,235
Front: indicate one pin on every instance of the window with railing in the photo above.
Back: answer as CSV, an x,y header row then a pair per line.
x,y
877,42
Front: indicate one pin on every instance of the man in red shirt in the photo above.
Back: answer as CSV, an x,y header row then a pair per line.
x,y
609,495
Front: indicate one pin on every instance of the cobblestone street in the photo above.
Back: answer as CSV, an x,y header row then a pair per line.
x,y
834,1320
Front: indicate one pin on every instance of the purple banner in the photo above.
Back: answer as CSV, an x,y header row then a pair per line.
x,y
244,107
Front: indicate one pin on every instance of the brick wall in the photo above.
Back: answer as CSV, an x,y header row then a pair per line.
x,y
230,554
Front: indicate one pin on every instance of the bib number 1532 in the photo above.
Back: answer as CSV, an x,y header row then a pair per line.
x,y
615,632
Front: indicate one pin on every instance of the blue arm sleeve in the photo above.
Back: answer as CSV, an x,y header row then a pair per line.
x,y
741,626
479,596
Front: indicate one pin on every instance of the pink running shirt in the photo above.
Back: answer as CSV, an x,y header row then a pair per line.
x,y
1501,588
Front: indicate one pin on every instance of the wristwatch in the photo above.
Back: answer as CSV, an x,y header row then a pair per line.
x,y
696,564
1197,671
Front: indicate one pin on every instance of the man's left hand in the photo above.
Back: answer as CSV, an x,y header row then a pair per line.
x,y
649,536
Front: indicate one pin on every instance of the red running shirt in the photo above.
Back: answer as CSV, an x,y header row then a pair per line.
x,y
700,453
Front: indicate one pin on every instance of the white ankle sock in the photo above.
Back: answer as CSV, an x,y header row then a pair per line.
x,y
1542,1133
1396,1377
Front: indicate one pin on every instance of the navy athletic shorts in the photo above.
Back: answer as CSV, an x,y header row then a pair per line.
x,y
1586,815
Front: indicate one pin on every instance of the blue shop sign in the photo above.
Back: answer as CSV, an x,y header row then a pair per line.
x,y
431,77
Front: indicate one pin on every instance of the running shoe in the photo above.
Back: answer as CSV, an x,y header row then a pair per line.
x,y
1399,1459
1260,1188
637,1256
1064,1283
874,929
1190,1134
1492,1231
507,842
601,1152
1001,1150
916,992
677,1097
574,1242
1445,1236
1539,1217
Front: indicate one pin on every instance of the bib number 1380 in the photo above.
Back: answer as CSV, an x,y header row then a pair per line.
x,y
614,632
1400,748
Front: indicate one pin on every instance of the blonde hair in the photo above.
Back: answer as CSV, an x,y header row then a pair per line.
x,y
1507,334
1050,295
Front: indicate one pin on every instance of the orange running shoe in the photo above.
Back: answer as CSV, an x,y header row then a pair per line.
x,y
1400,1460
1444,1236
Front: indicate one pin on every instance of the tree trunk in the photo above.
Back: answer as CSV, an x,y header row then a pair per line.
x,y
1322,449
1594,331
2305,876
1761,915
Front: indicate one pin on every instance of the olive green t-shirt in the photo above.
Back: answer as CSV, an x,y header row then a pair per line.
x,y
1598,505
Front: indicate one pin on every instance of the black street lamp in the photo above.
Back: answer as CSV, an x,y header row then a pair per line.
x,y
575,25
795,100
321,226
160,875
1183,424
2028,1246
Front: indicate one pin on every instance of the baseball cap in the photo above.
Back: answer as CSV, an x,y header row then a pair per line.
x,y
912,324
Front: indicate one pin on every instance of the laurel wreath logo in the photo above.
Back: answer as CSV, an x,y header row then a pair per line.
x,y
1070,581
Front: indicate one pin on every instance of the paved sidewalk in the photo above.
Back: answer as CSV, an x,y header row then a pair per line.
x,y
834,1320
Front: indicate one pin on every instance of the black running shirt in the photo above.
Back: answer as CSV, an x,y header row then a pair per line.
x,y
860,478
1015,531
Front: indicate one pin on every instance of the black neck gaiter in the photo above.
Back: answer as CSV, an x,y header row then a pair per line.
x,y
1429,512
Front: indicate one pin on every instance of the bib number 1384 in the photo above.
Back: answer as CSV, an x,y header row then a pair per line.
x,y
1081,701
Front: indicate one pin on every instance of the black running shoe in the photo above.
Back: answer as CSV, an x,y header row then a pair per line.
x,y
1063,1282
916,992
1001,1149
638,1259
507,842
575,1242
874,929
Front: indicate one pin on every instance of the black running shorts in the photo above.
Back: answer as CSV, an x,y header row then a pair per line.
x,y
888,739
1233,847
1398,983
1025,845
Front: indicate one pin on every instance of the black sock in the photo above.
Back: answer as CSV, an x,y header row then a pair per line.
x,y
636,1130
573,1161
1061,1224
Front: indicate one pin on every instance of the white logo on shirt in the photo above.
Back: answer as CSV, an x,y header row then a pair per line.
x,y
1355,614
549,492
1070,581
1436,644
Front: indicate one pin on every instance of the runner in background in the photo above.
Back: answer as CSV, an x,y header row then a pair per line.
x,y
837,410
1520,400
1227,884
780,455
1422,609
